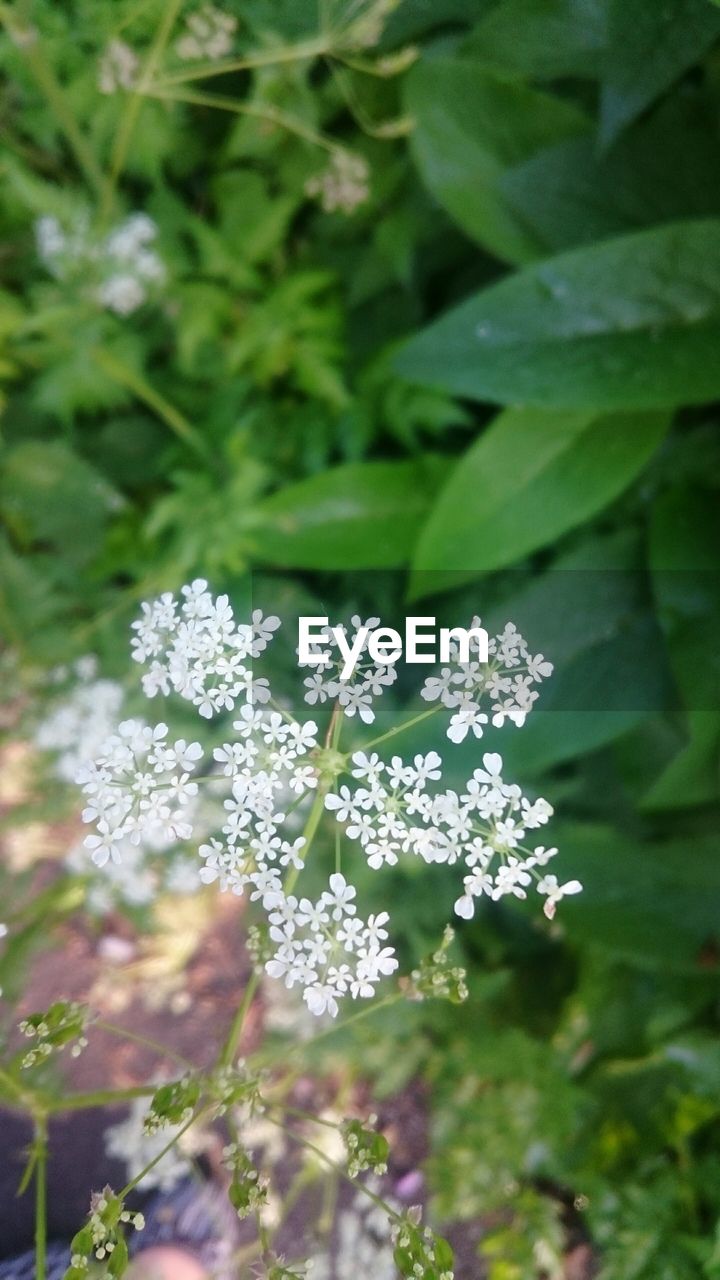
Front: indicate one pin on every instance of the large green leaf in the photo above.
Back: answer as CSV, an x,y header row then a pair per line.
x,y
632,323
542,38
683,545
651,43
362,516
470,125
660,170
530,477
655,903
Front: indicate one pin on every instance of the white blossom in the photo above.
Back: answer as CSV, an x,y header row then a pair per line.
x,y
343,184
129,1141
356,694
195,648
79,722
119,271
484,827
507,680
209,33
137,787
363,1245
271,779
118,67
324,948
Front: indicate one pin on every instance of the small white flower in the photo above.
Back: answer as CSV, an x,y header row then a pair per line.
x,y
209,33
555,892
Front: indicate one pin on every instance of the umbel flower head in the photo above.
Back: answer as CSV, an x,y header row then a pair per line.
x,y
118,271
275,776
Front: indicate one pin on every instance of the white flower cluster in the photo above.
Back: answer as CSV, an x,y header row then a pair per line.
x,y
141,873
363,1245
343,185
269,768
122,265
197,650
130,1142
138,787
507,680
325,946
118,67
393,813
79,723
276,780
355,695
209,33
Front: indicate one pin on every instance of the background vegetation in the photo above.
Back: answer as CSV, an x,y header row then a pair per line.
x,y
493,382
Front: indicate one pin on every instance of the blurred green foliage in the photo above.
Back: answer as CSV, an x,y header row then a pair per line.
x,y
494,380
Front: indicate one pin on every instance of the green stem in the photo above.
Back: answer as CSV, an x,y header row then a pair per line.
x,y
270,114
367,1010
128,377
98,1098
424,715
309,830
232,1042
233,1039
28,40
40,1197
24,1098
146,1041
291,53
336,1168
161,1154
129,119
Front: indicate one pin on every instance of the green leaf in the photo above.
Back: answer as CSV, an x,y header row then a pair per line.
x,y
470,125
693,776
684,538
662,169
50,495
530,477
683,542
651,43
653,903
632,323
361,516
542,38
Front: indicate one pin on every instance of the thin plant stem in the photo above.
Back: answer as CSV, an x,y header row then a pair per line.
x,y
28,40
124,1034
400,728
130,1186
123,137
316,48
337,1169
368,1009
126,376
309,830
98,1098
232,1041
40,1197
270,114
